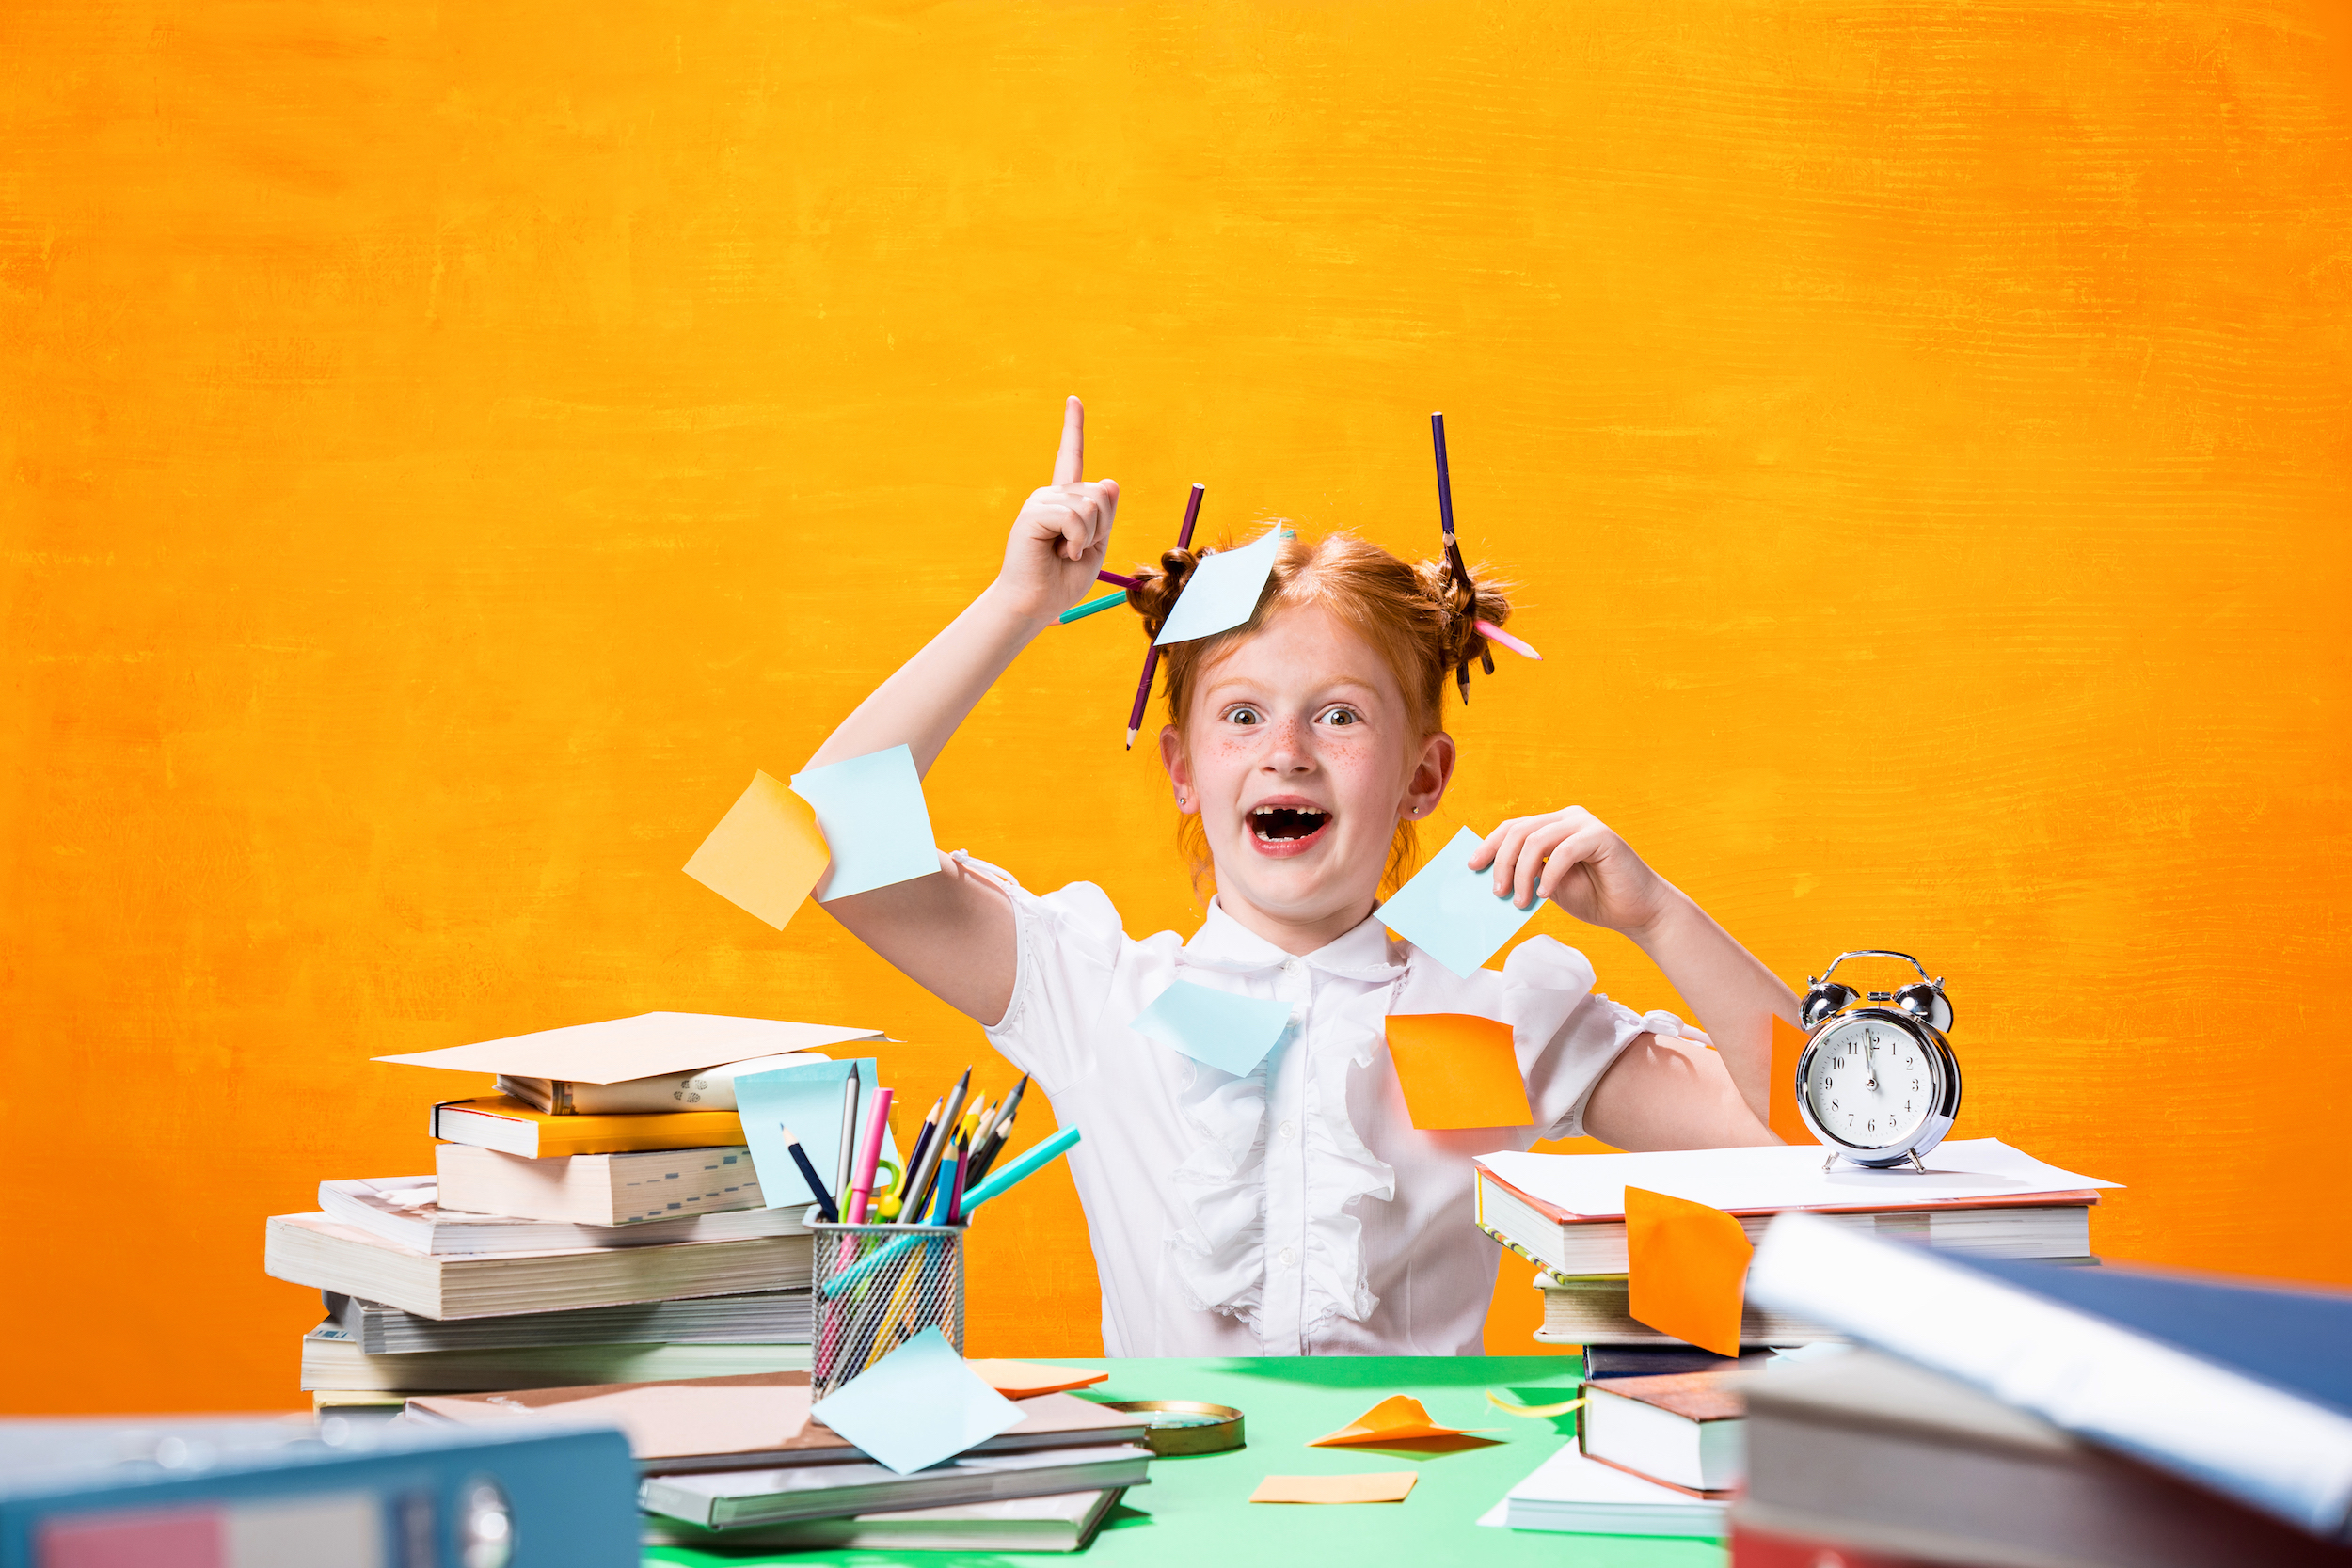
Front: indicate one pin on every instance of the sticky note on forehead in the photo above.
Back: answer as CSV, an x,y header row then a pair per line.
x,y
874,820
1222,592
1457,1070
764,854
1230,1033
1450,913
1688,1269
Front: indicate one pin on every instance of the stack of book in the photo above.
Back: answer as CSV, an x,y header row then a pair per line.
x,y
574,1231
1653,1456
738,1463
1566,1214
2011,1413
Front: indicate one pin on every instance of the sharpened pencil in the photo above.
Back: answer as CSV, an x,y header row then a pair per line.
x,y
1151,656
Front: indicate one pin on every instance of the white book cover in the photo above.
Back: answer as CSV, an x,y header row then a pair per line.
x,y
647,1046
403,1211
1784,1176
1569,1491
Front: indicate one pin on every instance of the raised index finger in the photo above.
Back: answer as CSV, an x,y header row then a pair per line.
x,y
1070,466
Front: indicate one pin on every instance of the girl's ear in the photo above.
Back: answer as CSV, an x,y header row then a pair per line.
x,y
1425,786
1179,769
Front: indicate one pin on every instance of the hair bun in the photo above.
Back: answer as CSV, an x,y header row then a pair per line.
x,y
1156,592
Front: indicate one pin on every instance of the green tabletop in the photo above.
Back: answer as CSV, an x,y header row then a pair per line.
x,y
1196,1512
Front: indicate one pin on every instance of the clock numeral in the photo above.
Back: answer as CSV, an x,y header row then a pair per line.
x,y
1915,1083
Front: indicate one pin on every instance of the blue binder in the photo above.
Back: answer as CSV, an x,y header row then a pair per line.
x,y
177,1492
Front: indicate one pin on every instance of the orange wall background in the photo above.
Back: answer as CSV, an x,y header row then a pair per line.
x,y
447,448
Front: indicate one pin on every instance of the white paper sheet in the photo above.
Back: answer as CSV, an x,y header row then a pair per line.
x,y
621,1049
1784,1177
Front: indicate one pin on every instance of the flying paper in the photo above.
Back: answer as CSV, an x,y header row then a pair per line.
x,y
916,1407
807,1099
874,820
1690,1269
1457,1070
1228,1032
764,854
1450,913
1398,1418
1223,590
1381,1487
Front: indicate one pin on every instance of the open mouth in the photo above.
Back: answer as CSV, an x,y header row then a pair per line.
x,y
1286,824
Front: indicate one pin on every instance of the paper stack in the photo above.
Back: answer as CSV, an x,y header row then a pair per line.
x,y
600,1220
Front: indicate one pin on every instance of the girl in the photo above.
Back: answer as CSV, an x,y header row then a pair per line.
x,y
1297,1211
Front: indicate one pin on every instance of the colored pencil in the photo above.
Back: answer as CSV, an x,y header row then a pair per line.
x,y
1115,579
1093,607
1001,1129
955,1190
870,1156
809,1174
1152,655
979,1193
922,1142
845,1167
919,1184
1493,633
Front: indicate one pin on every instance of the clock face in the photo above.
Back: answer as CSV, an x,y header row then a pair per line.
x,y
1870,1084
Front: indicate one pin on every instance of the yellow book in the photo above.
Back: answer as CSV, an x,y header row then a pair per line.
x,y
512,1127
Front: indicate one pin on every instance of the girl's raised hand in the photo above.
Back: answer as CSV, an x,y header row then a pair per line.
x,y
1572,857
1063,533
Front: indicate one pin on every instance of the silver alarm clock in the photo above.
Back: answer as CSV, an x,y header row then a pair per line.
x,y
1878,1085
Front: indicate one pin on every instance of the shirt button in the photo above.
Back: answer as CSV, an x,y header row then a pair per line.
x,y
1290,1130
1289,1257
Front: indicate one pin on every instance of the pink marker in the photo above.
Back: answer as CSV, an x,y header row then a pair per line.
x,y
869,1155
1493,633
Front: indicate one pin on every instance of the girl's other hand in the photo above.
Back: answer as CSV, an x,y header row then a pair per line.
x,y
1572,857
1063,533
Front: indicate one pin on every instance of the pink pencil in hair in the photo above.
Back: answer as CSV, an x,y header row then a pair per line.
x,y
1151,658
1493,633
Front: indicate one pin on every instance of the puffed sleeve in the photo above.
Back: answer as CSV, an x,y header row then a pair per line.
x,y
1068,946
1567,1033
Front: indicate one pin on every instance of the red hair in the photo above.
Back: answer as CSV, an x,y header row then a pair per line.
x,y
1419,619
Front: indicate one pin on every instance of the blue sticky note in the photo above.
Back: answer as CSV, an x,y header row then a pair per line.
x,y
1223,590
1450,913
875,822
917,1405
1228,1032
806,1099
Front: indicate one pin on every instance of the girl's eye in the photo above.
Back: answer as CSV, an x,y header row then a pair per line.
x,y
1342,716
1242,716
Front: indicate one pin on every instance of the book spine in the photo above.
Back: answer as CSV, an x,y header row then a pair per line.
x,y
2268,1448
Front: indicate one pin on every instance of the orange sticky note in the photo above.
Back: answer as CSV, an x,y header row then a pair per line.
x,y
764,854
1789,1043
1381,1487
1396,1419
1021,1380
1457,1070
1689,1269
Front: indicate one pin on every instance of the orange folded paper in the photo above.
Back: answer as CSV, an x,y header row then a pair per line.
x,y
1689,1269
1394,1419
1021,1380
1789,1043
1457,1070
764,854
1381,1487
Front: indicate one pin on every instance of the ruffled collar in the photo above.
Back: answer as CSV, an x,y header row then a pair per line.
x,y
1364,953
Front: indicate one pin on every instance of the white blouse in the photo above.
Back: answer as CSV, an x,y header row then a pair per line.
x,y
1296,1211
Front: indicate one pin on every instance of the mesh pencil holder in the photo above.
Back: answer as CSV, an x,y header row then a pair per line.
x,y
878,1285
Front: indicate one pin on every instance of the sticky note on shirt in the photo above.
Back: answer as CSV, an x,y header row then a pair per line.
x,y
1398,1418
1222,592
1688,1270
764,854
916,1407
1457,1070
1381,1487
1450,913
806,1099
1230,1033
874,820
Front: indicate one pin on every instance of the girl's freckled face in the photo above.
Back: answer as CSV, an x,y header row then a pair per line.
x,y
1300,755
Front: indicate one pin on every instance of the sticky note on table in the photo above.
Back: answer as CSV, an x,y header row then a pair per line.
x,y
1223,590
1789,1043
875,822
1457,1070
916,1407
1398,1418
1380,1486
1228,1032
806,1099
1688,1270
764,854
1021,1380
1450,913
